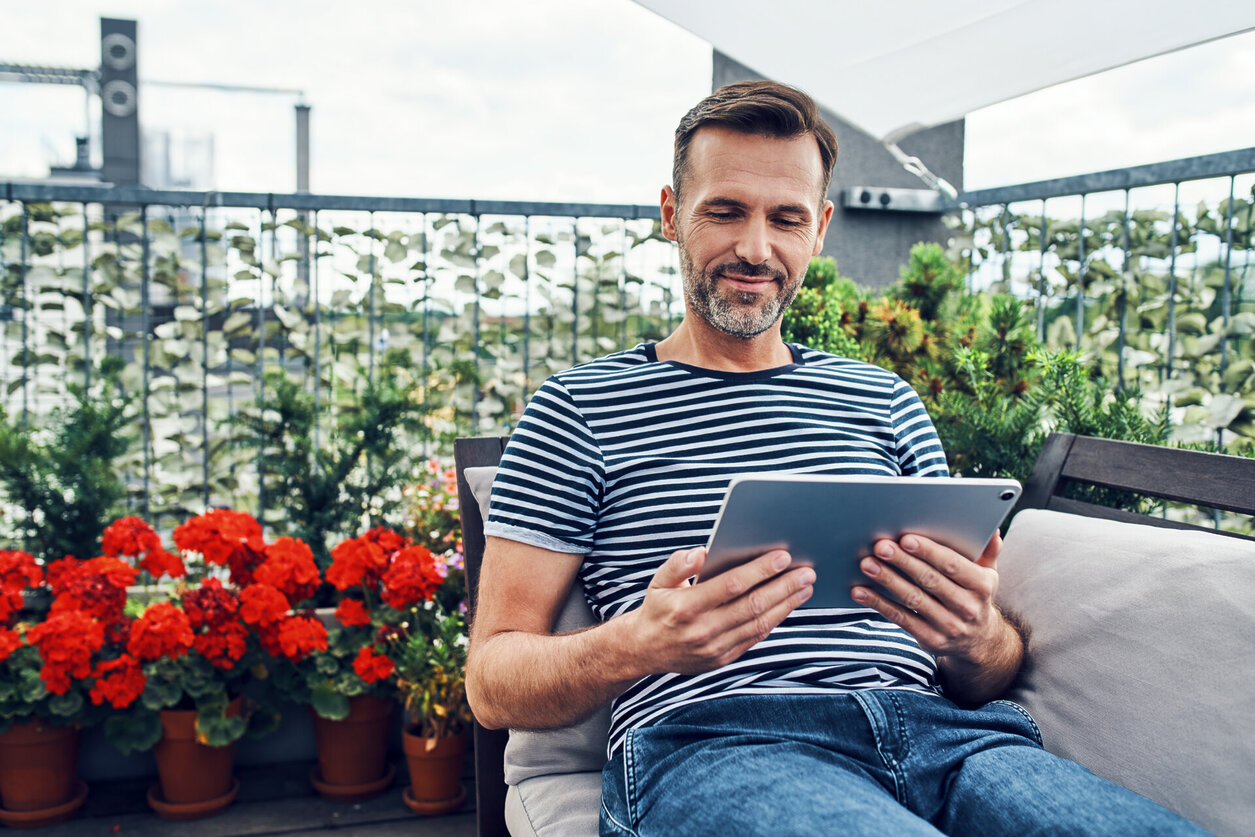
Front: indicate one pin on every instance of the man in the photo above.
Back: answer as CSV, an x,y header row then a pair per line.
x,y
735,712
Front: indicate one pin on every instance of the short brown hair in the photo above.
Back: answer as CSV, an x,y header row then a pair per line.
x,y
764,108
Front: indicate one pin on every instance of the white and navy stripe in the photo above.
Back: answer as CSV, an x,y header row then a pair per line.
x,y
626,459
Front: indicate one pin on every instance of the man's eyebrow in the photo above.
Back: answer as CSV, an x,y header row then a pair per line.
x,y
733,203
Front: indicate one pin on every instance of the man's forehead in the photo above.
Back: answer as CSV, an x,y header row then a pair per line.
x,y
723,157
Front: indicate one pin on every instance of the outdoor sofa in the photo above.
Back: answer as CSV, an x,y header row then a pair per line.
x,y
1141,663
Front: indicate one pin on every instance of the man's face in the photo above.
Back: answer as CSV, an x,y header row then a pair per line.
x,y
752,217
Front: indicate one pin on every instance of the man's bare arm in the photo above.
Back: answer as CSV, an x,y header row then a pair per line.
x,y
521,675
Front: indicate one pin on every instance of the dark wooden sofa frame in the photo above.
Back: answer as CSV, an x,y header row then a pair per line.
x,y
1207,480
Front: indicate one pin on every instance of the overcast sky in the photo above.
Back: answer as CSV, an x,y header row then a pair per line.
x,y
571,100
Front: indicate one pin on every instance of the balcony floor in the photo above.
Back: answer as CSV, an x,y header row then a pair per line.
x,y
273,799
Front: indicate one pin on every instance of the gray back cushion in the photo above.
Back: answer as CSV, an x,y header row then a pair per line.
x,y
573,749
1142,657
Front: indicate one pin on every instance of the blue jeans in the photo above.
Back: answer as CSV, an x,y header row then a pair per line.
x,y
882,763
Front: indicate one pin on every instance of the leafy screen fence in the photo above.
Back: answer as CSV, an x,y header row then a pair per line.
x,y
205,296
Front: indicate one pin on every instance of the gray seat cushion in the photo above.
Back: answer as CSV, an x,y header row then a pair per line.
x,y
1141,665
555,774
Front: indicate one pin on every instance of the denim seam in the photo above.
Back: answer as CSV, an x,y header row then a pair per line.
x,y
864,700
615,822
1027,717
629,777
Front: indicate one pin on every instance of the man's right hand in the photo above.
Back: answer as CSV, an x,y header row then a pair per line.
x,y
689,628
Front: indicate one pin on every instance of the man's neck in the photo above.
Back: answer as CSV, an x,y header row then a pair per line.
x,y
696,343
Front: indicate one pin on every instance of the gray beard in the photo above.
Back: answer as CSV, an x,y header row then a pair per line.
x,y
733,312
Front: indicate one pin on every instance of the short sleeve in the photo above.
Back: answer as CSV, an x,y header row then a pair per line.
x,y
549,484
918,448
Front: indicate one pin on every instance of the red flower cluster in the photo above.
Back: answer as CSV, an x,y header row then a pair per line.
x,y
66,641
163,631
352,614
413,577
96,587
281,635
119,681
132,537
262,605
289,567
18,571
300,636
10,641
357,561
224,538
372,667
211,611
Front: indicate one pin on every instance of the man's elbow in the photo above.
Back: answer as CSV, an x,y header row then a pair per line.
x,y
478,696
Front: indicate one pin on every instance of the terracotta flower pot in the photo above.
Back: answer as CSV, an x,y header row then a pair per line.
x,y
435,773
39,782
194,780
353,752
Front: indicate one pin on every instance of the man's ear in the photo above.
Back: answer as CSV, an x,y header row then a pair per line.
x,y
825,215
669,209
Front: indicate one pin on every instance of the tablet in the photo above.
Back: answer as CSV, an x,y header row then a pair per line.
x,y
831,522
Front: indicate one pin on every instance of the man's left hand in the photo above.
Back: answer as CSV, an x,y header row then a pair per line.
x,y
946,601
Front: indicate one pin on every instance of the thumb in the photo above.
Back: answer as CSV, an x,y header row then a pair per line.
x,y
680,567
989,558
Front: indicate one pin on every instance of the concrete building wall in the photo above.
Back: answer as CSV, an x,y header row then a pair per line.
x,y
871,246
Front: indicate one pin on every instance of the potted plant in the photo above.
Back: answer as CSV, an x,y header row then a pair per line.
x,y
431,679
54,679
194,652
350,686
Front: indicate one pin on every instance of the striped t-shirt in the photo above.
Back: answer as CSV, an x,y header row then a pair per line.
x,y
626,459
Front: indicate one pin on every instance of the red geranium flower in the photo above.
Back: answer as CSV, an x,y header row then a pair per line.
x,y
224,537
262,605
210,606
388,540
96,587
129,536
357,561
352,614
56,570
119,681
163,631
66,642
372,667
300,636
412,578
10,641
289,567
223,646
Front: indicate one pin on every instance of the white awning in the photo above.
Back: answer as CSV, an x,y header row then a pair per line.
x,y
892,67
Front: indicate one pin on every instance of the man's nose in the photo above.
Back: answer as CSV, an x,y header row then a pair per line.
x,y
753,245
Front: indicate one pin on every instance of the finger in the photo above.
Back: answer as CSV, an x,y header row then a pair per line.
x,y
913,623
679,568
758,623
989,558
736,582
929,564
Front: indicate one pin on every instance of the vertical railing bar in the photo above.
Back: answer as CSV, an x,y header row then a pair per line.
x,y
22,278
311,253
477,248
145,327
1080,277
370,316
204,355
1006,244
1172,283
261,365
623,281
575,295
1124,298
87,303
527,305
280,349
1226,292
1041,277
426,338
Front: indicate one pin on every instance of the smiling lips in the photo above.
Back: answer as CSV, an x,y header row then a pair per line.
x,y
748,277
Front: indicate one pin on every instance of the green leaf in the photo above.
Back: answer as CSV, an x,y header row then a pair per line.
x,y
133,731
215,728
329,703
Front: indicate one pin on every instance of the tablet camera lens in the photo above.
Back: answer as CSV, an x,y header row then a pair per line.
x,y
1008,495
